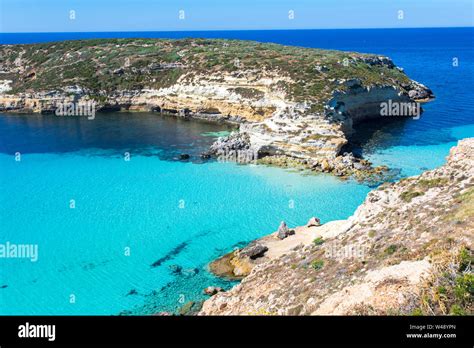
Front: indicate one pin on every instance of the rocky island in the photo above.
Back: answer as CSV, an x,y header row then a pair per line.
x,y
293,106
407,250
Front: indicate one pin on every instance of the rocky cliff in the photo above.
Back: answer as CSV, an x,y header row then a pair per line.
x,y
406,250
292,104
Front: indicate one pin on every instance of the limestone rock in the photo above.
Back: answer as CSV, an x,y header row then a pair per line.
x,y
254,251
314,221
284,231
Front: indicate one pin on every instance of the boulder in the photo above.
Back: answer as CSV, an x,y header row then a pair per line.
x,y
325,165
191,272
284,231
254,251
184,156
314,221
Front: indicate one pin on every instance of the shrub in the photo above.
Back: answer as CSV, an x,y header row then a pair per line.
x,y
390,249
407,196
317,264
318,241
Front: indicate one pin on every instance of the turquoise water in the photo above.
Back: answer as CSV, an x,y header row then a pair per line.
x,y
412,160
173,214
136,204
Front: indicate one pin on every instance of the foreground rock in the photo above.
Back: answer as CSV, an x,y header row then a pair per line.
x,y
294,106
284,231
254,251
406,250
314,221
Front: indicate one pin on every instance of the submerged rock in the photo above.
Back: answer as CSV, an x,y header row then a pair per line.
x,y
132,292
175,269
191,272
190,308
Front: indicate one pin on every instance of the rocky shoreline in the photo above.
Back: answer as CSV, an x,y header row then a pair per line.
x,y
290,111
408,249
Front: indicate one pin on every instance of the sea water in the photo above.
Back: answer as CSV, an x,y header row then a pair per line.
x,y
135,236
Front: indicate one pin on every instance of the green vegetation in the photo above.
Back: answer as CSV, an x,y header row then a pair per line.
x,y
417,312
318,241
466,259
390,249
419,187
429,183
407,196
104,65
451,289
317,264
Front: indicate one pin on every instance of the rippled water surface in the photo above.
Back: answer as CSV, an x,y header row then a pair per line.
x,y
142,231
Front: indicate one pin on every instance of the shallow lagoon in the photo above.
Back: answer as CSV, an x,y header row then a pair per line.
x,y
129,215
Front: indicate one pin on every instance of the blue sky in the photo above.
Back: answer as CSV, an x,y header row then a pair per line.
x,y
163,15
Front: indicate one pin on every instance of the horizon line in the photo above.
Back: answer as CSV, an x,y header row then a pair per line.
x,y
221,30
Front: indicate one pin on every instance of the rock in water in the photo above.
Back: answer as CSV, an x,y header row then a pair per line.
x,y
205,155
184,156
254,251
132,292
314,221
187,308
175,269
212,290
284,231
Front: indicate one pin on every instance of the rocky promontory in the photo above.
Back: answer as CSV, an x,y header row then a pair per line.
x,y
407,250
293,105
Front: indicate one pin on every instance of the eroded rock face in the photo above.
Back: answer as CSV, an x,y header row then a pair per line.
x,y
383,260
288,112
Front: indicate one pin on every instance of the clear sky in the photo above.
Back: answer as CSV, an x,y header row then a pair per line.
x,y
164,15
